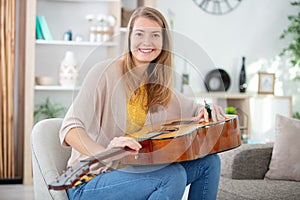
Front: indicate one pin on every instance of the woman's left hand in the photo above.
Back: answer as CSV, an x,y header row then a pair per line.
x,y
217,113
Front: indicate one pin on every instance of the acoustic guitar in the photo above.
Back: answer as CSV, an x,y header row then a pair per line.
x,y
175,141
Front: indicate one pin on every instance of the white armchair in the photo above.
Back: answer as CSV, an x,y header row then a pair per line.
x,y
49,158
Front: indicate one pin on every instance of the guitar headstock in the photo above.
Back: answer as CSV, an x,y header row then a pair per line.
x,y
70,177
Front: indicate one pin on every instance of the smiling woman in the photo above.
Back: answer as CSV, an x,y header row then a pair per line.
x,y
127,94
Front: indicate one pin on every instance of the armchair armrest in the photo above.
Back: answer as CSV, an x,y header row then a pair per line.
x,y
249,161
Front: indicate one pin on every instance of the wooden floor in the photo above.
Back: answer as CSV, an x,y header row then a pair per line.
x,y
16,192
25,192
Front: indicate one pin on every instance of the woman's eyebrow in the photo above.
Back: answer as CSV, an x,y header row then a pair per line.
x,y
138,30
143,30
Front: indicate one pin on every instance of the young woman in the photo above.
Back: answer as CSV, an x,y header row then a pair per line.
x,y
118,98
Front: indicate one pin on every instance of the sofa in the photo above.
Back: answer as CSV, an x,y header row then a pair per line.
x,y
243,172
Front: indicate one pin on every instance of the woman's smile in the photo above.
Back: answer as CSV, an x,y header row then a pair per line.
x,y
145,51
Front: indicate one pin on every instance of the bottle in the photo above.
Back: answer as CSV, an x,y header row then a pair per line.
x,y
68,35
243,84
102,32
99,34
92,34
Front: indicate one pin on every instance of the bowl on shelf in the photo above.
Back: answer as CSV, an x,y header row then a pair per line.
x,y
44,80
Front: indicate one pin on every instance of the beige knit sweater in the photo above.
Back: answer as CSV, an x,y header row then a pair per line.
x,y
100,107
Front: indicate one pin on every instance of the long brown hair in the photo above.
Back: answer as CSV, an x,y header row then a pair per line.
x,y
159,75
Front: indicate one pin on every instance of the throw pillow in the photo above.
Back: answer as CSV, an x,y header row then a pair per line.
x,y
285,161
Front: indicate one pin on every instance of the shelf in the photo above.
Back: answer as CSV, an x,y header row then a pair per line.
x,y
73,43
225,95
55,88
82,0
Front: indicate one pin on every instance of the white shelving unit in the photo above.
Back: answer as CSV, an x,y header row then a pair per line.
x,y
55,88
74,43
61,16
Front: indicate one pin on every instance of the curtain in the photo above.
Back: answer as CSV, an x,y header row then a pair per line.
x,y
7,64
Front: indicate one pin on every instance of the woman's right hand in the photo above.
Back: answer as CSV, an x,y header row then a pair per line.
x,y
124,141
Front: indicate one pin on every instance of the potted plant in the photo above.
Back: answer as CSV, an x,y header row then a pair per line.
x,y
293,49
48,110
296,115
230,110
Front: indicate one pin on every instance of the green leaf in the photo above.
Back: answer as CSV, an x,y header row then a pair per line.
x,y
48,110
230,110
292,31
296,115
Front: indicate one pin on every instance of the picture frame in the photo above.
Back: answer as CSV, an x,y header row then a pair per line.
x,y
266,82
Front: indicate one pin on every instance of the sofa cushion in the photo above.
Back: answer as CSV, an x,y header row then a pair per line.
x,y
230,189
285,161
249,161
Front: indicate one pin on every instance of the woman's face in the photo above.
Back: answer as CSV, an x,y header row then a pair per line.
x,y
146,41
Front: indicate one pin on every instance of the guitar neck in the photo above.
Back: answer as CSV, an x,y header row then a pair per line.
x,y
74,173
108,154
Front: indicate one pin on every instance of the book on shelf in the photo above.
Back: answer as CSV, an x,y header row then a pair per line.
x,y
46,34
38,30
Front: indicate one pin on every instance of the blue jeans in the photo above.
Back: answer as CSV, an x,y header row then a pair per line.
x,y
155,182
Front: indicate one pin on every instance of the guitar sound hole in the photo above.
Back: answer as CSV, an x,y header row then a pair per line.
x,y
170,129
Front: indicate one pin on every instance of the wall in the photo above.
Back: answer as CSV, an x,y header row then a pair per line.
x,y
252,30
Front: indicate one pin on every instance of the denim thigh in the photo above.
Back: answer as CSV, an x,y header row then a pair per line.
x,y
135,182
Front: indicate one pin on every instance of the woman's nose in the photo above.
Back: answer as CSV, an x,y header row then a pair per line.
x,y
147,39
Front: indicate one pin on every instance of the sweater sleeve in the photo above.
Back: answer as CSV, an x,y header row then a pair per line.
x,y
85,110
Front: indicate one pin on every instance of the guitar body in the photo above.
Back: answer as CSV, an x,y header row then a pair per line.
x,y
175,141
188,142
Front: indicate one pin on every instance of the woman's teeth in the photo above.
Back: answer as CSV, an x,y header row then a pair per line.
x,y
146,50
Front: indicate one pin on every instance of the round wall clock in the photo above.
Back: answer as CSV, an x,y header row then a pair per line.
x,y
218,7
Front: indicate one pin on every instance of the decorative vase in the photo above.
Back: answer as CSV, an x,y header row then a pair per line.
x,y
68,72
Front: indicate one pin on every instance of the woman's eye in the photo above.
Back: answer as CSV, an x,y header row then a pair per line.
x,y
138,34
156,35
